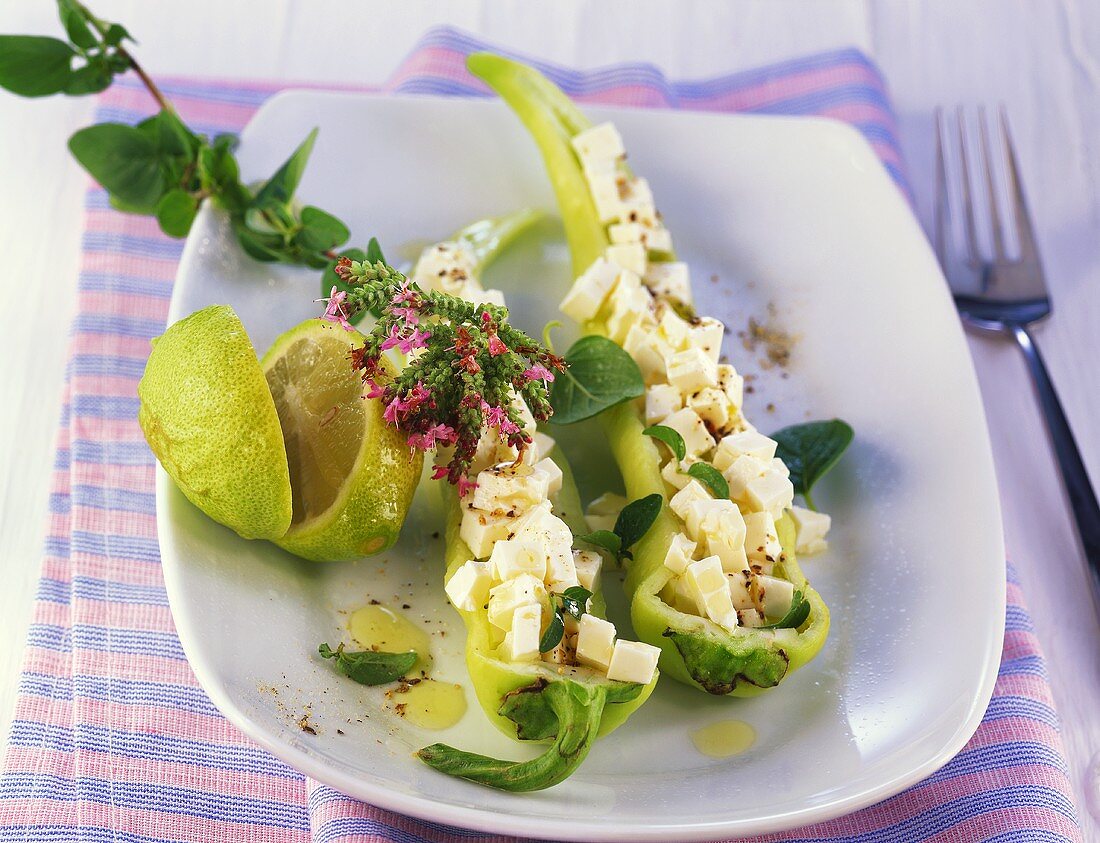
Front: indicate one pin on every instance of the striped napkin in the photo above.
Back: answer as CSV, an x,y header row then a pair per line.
x,y
113,739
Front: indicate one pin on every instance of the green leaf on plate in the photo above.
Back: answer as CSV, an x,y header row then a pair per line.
x,y
124,160
670,437
599,375
710,477
176,211
636,518
320,231
553,634
811,449
279,189
370,667
374,253
605,539
33,65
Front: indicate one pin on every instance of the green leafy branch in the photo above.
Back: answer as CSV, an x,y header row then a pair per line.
x,y
633,522
160,167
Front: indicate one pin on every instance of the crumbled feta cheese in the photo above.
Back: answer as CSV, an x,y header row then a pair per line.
x,y
512,557
599,144
606,188
542,445
811,528
776,595
770,492
681,502
750,618
608,503
742,585
781,467
630,305
445,267
521,642
508,487
661,401
481,529
505,598
630,256
722,532
587,295
710,588
633,661
761,537
706,335
600,522
541,525
637,193
703,516
749,442
683,600
649,350
588,564
675,473
691,370
680,553
553,475
732,384
475,294
654,238
686,422
674,327
740,473
670,280
595,641
712,405
468,587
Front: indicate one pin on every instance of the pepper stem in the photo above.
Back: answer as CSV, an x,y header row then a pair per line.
x,y
578,708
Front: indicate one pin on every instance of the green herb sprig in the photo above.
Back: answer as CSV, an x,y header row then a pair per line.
x,y
633,522
369,667
810,450
160,167
600,375
573,602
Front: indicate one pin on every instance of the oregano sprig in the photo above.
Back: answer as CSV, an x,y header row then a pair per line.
x,y
465,364
160,167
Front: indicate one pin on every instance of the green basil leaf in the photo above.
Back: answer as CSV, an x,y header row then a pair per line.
x,y
599,375
796,615
176,211
261,247
76,25
34,66
321,231
169,135
811,449
122,159
606,539
279,189
374,253
553,634
711,477
670,437
370,667
574,600
94,77
116,33
636,518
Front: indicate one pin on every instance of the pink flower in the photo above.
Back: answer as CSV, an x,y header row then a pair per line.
x,y
439,472
465,484
405,296
335,312
498,417
398,339
486,317
539,373
374,390
436,433
496,346
409,314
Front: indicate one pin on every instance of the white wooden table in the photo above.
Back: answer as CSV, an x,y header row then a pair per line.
x,y
1040,58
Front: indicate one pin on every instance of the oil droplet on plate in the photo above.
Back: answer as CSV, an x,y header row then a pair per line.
x,y
724,739
378,627
430,704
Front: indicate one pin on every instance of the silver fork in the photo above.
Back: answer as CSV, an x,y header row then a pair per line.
x,y
1007,295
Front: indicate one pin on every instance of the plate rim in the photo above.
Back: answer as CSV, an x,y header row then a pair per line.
x,y
484,820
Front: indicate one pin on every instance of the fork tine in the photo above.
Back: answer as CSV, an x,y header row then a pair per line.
x,y
991,192
967,199
1029,250
941,208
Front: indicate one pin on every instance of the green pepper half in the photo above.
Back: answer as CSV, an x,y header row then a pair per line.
x,y
694,649
566,707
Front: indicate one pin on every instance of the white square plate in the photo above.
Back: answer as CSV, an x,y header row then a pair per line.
x,y
795,212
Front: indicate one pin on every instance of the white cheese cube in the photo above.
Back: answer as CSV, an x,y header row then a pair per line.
x,y
526,417
740,473
732,384
705,334
691,370
712,405
703,516
750,442
742,589
658,239
600,143
686,422
675,473
710,588
595,641
630,256
649,350
521,642
445,267
474,293
750,618
669,280
637,192
468,587
512,557
780,466
661,401
811,528
683,600
608,503
510,488
553,475
590,290
680,553
674,327
630,305
770,492
633,661
541,525
776,595
761,537
681,502
560,654
655,239
481,529
505,598
606,188
725,538
600,522
542,445
588,564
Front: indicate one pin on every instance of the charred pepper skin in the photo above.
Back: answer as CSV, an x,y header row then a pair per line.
x,y
693,650
567,708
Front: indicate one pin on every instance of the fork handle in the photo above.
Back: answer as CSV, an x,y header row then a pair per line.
x,y
1082,498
